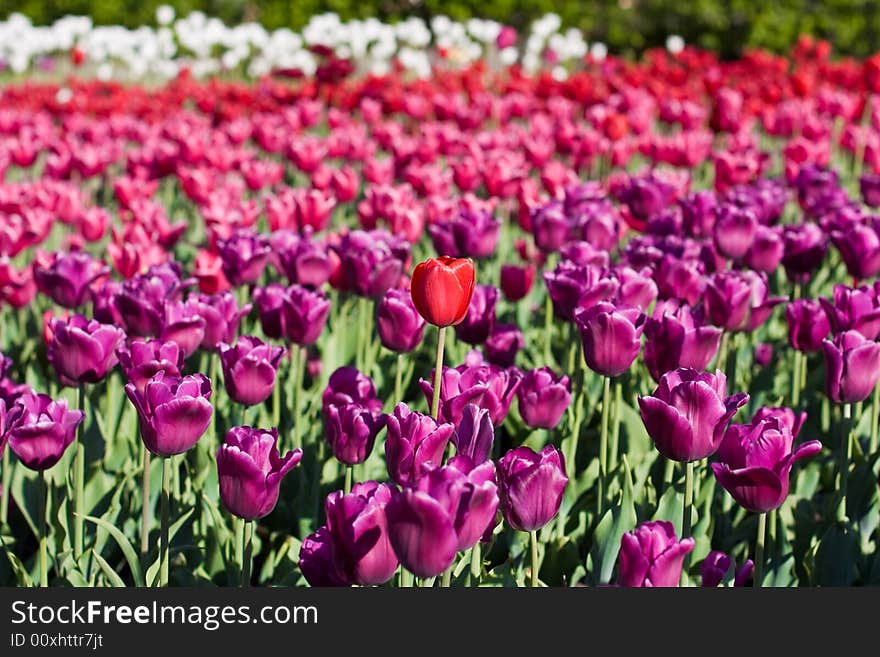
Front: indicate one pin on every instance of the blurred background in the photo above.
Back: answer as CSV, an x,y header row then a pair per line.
x,y
626,26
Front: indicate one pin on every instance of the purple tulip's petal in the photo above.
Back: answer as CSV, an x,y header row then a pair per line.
x,y
755,489
632,564
668,428
833,369
666,570
180,423
861,372
421,533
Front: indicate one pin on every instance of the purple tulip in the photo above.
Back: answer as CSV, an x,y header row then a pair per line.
x,y
652,556
347,385
854,309
572,286
675,337
83,351
470,234
698,213
140,303
250,471
859,246
249,369
359,530
67,278
480,317
716,565
222,317
808,325
805,248
474,435
351,431
184,325
738,300
371,262
142,359
688,413
10,391
301,260
734,230
852,367
43,430
487,386
294,313
399,324
449,510
9,416
320,560
755,460
173,412
580,253
680,279
766,251
869,186
531,486
611,337
635,288
646,196
245,256
503,344
763,354
543,397
412,441
550,226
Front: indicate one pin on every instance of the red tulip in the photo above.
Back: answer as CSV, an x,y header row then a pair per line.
x,y
442,289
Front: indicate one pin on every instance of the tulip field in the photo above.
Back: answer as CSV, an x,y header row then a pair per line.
x,y
469,311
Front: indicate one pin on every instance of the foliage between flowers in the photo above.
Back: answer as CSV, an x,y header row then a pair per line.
x,y
632,226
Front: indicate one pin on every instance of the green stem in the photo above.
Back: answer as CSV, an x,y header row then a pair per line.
x,y
44,530
721,360
165,509
875,416
446,579
349,473
796,380
213,361
476,564
687,510
668,472
771,534
276,401
533,541
298,420
247,552
398,379
79,480
4,495
845,458
603,446
438,373
548,328
406,578
145,504
759,550
614,444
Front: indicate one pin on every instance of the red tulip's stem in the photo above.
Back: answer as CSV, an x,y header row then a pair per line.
x,y
438,373
349,475
247,538
44,567
603,447
398,379
145,505
4,495
164,547
845,458
687,510
79,479
533,541
875,416
759,550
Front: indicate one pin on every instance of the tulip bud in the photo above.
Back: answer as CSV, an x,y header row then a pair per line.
x,y
399,324
503,344
320,561
854,309
474,434
852,367
43,429
442,289
480,317
67,278
676,339
250,471
249,369
351,431
245,256
347,385
83,351
611,337
808,324
652,556
487,386
173,412
222,317
413,440
688,413
531,486
543,398
142,359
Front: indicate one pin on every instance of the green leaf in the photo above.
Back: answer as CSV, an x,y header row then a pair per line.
x,y
606,538
108,571
128,551
21,573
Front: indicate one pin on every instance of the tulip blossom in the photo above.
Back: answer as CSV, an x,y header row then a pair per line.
x,y
503,344
531,486
249,369
142,359
43,430
347,385
543,397
250,471
173,412
675,338
738,300
688,413
413,441
474,435
83,351
399,324
442,288
652,556
611,337
487,386
351,430
479,320
516,281
294,313
754,460
67,277
717,564
808,324
852,367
